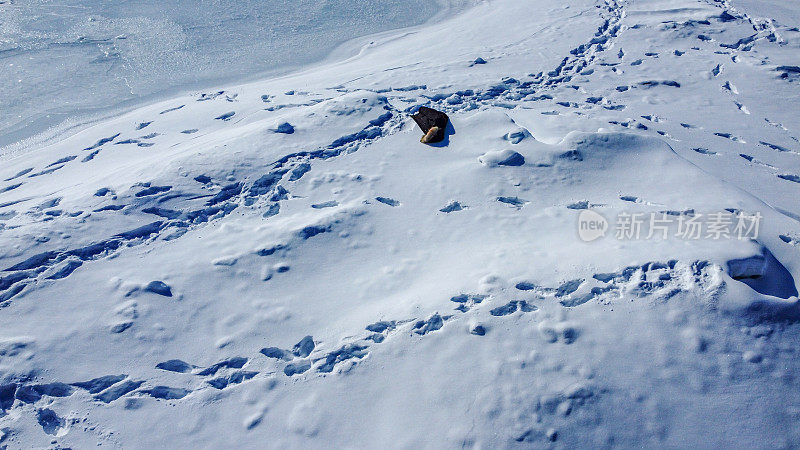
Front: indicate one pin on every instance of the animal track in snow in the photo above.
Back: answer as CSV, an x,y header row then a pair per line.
x,y
704,151
102,142
776,147
328,204
790,177
728,86
388,201
46,171
654,83
226,116
63,160
731,137
755,161
172,109
583,204
19,174
467,301
10,187
742,108
512,307
453,206
515,202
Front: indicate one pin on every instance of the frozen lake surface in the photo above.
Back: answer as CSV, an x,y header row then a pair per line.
x,y
71,58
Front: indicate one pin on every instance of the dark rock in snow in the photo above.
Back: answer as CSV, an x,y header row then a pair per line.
x,y
433,123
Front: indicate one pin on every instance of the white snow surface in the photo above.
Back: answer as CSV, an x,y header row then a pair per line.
x,y
281,264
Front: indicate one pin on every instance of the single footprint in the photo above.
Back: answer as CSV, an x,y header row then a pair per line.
x,y
630,198
775,147
583,204
512,201
453,207
755,161
789,240
790,177
388,201
226,116
730,136
730,87
742,108
19,174
171,109
328,204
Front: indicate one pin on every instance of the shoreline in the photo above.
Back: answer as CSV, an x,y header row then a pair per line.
x,y
21,140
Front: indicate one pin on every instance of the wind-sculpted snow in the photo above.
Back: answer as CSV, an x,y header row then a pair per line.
x,y
225,201
308,356
286,258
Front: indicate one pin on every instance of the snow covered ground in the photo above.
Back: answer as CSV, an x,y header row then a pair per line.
x,y
282,263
